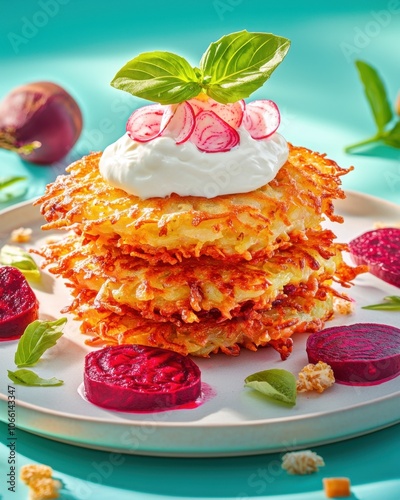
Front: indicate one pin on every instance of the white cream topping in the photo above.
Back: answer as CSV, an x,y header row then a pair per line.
x,y
160,167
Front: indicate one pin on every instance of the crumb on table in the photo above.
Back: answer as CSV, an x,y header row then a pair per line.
x,y
41,484
336,487
302,462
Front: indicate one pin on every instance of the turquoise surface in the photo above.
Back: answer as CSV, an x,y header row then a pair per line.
x,y
80,45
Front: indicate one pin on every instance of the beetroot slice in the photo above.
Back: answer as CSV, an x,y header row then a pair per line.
x,y
18,303
136,377
359,354
380,250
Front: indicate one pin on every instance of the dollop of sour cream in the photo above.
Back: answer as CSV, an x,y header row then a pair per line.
x,y
160,167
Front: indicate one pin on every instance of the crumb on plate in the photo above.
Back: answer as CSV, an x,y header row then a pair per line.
x,y
21,235
302,462
343,306
336,487
315,377
41,484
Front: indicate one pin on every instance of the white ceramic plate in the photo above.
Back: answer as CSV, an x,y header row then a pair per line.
x,y
233,420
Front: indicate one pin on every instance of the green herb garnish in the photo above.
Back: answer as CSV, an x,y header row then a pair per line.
x,y
231,69
6,183
392,304
36,339
275,383
17,257
10,181
381,110
30,378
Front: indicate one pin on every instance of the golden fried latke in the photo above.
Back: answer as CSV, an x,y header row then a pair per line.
x,y
293,314
234,227
184,292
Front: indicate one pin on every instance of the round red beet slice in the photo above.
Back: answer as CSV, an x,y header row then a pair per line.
x,y
359,354
18,303
137,377
380,250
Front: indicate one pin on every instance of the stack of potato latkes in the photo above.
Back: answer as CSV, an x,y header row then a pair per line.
x,y
199,275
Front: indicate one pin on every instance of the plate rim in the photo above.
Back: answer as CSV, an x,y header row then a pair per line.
x,y
34,216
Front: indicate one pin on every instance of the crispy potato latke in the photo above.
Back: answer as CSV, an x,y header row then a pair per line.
x,y
199,275
185,291
234,227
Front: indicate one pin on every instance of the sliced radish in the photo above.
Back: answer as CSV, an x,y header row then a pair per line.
x,y
212,134
144,124
232,114
136,377
179,122
359,354
261,118
198,105
380,250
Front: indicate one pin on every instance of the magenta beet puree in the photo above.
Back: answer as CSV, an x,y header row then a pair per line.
x,y
136,377
359,354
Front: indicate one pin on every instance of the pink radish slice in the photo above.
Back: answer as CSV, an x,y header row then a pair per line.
x,y
136,377
179,122
261,118
144,124
359,354
380,251
232,114
211,134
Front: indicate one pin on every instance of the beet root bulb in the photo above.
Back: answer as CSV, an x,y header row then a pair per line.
x,y
40,121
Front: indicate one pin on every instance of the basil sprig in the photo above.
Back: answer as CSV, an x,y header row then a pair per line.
x,y
36,339
392,303
382,113
30,378
231,69
275,383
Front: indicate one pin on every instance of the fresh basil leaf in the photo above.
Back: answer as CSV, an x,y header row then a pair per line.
x,y
17,257
376,94
36,339
238,64
275,383
392,304
392,137
30,378
161,77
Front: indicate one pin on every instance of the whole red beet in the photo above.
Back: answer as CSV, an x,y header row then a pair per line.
x,y
40,121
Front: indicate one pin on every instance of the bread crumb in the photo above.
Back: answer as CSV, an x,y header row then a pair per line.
x,y
40,482
302,462
343,306
21,235
336,487
315,377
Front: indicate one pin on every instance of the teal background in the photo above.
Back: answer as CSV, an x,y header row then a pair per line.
x,y
80,45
